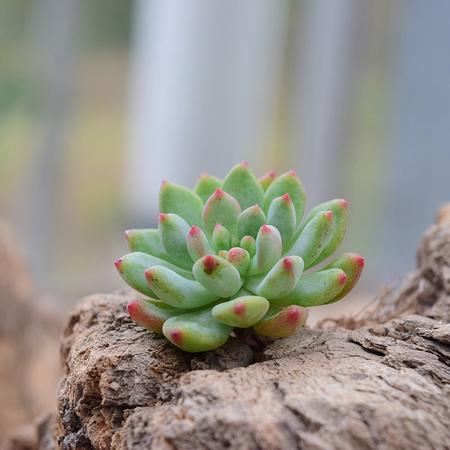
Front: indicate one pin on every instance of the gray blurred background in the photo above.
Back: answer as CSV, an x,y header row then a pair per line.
x,y
102,99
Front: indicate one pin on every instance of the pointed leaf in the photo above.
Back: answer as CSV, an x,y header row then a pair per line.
x,y
282,322
132,266
217,275
151,314
243,186
268,250
196,331
339,207
313,238
288,183
173,231
220,238
177,291
240,258
353,265
282,216
206,185
248,243
250,221
315,289
197,244
181,201
280,281
242,312
266,180
221,208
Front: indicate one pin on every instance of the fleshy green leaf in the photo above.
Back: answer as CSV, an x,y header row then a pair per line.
x,y
266,180
206,185
196,331
315,289
288,183
268,250
240,259
282,216
313,238
151,314
197,243
221,208
217,275
242,312
181,201
146,241
250,221
280,281
339,208
282,322
221,238
248,243
243,186
177,291
173,231
132,266
353,265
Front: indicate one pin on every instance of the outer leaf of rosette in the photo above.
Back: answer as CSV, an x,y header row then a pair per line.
x,y
196,331
181,201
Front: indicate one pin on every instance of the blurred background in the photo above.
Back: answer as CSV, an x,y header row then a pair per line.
x,y
102,99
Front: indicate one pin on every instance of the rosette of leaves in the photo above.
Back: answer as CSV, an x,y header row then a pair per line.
x,y
232,254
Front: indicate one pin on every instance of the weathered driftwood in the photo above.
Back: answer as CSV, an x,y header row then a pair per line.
x,y
380,383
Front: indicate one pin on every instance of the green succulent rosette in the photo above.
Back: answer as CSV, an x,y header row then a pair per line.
x,y
232,254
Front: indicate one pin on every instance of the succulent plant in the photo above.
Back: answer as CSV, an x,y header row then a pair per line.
x,y
231,254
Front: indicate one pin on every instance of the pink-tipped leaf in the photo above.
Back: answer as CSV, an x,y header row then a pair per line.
x,y
243,186
281,279
217,275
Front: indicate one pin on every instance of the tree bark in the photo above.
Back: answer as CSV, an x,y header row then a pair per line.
x,y
379,382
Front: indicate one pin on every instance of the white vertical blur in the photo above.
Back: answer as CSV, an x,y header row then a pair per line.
x,y
205,75
321,91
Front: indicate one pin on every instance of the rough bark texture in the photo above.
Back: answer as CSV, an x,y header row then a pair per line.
x,y
380,383
29,334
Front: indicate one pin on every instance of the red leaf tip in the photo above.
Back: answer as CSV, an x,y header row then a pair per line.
x,y
194,231
162,217
176,336
218,193
132,308
118,264
218,227
292,173
360,261
287,264
343,203
149,275
292,315
342,279
265,229
244,164
209,264
287,198
328,215
235,253
239,309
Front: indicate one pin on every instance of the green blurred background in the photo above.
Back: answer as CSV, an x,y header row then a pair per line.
x,y
100,100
